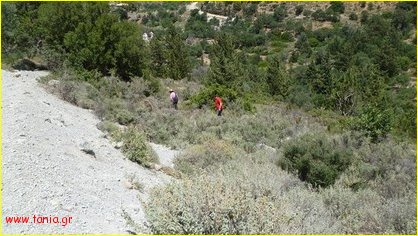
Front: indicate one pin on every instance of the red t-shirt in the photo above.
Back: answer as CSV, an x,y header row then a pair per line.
x,y
218,103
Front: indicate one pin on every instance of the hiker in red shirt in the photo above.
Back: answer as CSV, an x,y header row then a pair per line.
x,y
218,105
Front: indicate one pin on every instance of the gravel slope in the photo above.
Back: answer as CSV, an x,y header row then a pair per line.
x,y
165,154
45,173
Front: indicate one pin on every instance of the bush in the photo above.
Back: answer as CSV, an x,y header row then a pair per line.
x,y
243,197
316,159
107,126
337,7
114,110
299,9
135,147
206,95
374,122
377,193
365,212
320,15
353,16
208,156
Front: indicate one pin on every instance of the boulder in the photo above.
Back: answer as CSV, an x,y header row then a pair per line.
x,y
27,64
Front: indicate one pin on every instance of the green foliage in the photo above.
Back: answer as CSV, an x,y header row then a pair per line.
x,y
302,44
278,79
57,19
316,159
178,62
114,110
250,9
157,57
337,7
375,122
224,67
9,20
320,15
136,148
19,31
298,10
198,26
206,95
280,13
108,127
353,16
381,182
405,110
106,45
85,34
364,16
129,56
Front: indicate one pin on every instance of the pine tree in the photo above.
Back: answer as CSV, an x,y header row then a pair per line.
x,y
158,57
178,61
278,79
224,67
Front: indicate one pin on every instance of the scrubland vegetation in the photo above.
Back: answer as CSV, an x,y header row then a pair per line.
x,y
319,127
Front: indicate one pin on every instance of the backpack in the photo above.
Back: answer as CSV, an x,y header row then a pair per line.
x,y
175,99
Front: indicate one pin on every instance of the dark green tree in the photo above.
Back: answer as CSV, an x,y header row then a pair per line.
x,y
158,61
318,76
223,61
130,56
177,55
337,7
9,20
302,44
280,13
277,78
299,10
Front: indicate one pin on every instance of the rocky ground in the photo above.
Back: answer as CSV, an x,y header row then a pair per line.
x,y
48,172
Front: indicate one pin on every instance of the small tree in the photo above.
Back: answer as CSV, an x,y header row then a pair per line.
x,y
278,79
299,9
337,7
280,13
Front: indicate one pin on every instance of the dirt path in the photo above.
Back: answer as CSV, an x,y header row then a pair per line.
x,y
45,172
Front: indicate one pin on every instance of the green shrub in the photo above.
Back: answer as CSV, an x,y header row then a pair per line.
x,y
337,7
353,16
124,117
107,126
136,148
206,95
374,122
298,9
114,110
316,159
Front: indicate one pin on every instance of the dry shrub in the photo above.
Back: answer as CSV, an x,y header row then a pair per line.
x,y
243,197
366,212
207,156
114,109
377,194
107,127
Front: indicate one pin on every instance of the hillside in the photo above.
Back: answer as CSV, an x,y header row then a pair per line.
x,y
318,127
